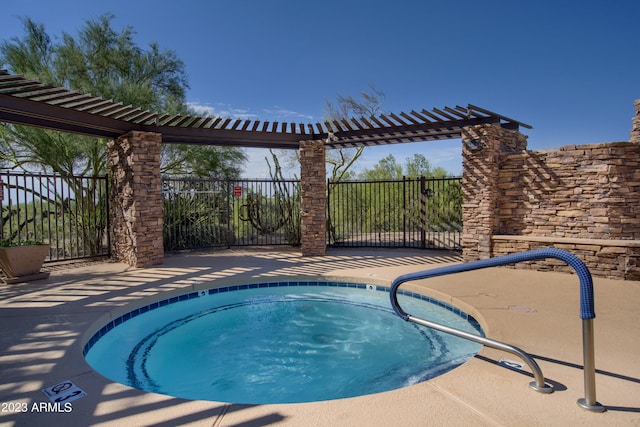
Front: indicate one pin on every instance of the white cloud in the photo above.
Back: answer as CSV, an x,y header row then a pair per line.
x,y
203,110
222,110
285,114
256,165
266,114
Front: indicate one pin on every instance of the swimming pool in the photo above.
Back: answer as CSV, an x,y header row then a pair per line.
x,y
279,342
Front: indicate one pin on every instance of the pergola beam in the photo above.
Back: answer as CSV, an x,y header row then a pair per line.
x,y
31,103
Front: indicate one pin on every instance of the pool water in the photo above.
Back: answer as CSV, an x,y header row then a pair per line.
x,y
279,343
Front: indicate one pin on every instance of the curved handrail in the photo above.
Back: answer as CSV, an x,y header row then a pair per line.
x,y
538,384
586,282
587,312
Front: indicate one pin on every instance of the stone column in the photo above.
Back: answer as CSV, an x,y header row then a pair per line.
x,y
135,210
635,124
313,198
481,149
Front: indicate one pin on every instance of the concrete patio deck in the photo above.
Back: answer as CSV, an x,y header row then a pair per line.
x,y
46,323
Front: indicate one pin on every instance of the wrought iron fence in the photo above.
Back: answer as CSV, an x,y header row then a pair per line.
x,y
422,213
201,213
68,212
71,213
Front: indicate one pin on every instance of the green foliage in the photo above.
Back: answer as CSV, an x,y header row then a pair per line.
x,y
107,63
68,212
389,199
205,161
210,212
101,61
104,62
416,166
63,153
5,243
281,211
189,222
195,213
380,209
386,169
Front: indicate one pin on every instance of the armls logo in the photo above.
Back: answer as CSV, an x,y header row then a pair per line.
x,y
51,407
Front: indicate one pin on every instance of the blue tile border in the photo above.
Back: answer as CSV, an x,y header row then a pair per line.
x,y
191,295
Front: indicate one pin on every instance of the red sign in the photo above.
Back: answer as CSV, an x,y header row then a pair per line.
x,y
237,191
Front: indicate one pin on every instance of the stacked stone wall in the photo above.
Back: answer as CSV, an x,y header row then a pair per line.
x,y
635,126
581,198
313,198
585,199
482,149
585,191
135,212
617,259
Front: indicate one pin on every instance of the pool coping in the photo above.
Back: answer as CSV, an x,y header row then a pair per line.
x,y
302,282
474,393
115,318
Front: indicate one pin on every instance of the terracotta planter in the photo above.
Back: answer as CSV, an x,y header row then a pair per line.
x,y
23,263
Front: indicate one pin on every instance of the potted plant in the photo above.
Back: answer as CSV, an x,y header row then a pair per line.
x,y
22,261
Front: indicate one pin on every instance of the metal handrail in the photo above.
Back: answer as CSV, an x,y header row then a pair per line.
x,y
538,384
587,314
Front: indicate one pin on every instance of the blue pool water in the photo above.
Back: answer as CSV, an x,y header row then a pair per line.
x,y
282,342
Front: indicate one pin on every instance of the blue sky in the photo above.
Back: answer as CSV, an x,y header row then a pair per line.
x,y
569,69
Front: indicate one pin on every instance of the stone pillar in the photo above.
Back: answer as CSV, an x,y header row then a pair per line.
x,y
635,126
481,149
313,198
135,211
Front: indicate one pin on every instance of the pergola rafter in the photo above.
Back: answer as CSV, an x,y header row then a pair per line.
x,y
32,103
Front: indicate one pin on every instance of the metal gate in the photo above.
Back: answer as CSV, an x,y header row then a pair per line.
x,y
412,212
200,213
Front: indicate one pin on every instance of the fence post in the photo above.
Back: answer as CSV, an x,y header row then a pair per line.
x,y
423,212
329,218
404,210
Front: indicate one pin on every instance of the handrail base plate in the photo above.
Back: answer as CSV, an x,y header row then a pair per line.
x,y
545,390
582,402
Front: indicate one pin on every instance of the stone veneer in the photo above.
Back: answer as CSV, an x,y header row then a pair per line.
x,y
618,259
635,127
585,199
136,215
135,199
480,176
578,191
582,198
313,198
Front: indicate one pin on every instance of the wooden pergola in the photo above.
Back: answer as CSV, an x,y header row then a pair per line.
x,y
30,102
135,135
